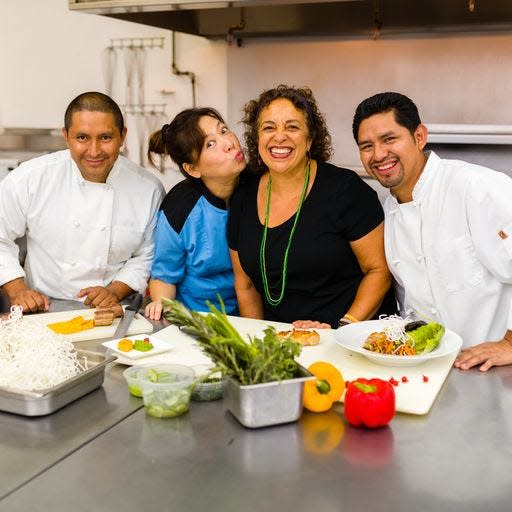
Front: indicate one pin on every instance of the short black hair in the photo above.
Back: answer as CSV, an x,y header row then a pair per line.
x,y
93,101
406,112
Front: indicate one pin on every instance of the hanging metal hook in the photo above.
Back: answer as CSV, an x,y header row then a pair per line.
x,y
239,26
377,19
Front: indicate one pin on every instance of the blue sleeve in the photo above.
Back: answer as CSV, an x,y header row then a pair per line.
x,y
170,255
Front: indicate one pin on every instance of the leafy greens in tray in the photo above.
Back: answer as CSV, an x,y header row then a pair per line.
x,y
252,361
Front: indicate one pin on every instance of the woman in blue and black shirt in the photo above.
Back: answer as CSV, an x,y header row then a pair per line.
x,y
191,261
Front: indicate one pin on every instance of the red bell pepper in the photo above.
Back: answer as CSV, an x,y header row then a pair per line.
x,y
369,402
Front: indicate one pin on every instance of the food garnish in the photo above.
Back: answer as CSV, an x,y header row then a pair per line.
x,y
251,361
142,345
320,394
369,403
393,381
125,345
396,340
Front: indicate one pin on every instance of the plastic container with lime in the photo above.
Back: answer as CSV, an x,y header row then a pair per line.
x,y
166,389
132,376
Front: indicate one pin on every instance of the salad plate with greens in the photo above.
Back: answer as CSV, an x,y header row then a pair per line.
x,y
394,341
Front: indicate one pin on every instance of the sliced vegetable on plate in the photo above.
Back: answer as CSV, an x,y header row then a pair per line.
x,y
137,346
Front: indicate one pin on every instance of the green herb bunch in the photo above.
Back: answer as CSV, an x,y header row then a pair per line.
x,y
251,362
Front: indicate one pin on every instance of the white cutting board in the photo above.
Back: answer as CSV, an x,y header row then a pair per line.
x,y
413,397
139,324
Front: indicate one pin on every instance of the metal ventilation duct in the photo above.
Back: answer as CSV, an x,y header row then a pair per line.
x,y
272,18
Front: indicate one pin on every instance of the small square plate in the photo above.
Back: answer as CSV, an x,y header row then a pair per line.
x,y
159,346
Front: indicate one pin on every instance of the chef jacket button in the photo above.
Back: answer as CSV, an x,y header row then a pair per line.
x,y
419,257
76,223
433,311
396,262
103,228
415,204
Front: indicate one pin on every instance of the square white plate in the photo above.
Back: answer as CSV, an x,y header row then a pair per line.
x,y
159,346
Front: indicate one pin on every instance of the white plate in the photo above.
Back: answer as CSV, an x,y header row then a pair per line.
x,y
159,346
353,336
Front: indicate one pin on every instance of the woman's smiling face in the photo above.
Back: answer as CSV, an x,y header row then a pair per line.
x,y
283,137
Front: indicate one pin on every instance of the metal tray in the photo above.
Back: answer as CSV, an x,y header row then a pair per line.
x,y
46,401
271,403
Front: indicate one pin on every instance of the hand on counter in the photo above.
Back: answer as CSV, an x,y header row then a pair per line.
x,y
488,354
98,297
153,310
310,324
31,301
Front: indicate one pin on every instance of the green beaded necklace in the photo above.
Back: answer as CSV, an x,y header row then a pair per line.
x,y
263,266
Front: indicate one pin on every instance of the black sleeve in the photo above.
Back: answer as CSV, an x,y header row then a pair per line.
x,y
363,211
235,211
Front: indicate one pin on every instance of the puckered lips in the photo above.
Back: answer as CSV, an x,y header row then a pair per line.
x,y
239,156
280,152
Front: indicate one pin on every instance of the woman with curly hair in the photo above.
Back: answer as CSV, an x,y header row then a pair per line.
x,y
306,237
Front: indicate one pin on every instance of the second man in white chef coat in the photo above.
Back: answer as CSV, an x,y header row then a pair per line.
x,y
448,230
88,215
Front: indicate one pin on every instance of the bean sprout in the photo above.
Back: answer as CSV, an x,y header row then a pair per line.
x,y
32,357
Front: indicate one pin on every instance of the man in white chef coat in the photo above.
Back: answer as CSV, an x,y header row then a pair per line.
x,y
88,215
448,230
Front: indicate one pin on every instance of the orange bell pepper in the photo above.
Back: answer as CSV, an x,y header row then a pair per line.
x,y
320,394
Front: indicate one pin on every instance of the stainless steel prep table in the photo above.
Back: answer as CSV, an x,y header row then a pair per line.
x,y
456,458
29,446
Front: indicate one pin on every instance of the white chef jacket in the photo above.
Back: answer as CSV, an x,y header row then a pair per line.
x,y
450,249
79,233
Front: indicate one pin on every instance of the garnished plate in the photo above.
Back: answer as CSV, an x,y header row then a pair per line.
x,y
159,346
353,336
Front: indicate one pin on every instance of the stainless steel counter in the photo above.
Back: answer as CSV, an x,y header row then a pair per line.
x,y
456,458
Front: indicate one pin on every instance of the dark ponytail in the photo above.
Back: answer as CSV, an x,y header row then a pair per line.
x,y
182,139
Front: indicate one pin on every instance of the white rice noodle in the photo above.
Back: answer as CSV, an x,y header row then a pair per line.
x,y
32,357
394,329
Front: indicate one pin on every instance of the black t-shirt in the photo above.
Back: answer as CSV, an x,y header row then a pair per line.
x,y
323,273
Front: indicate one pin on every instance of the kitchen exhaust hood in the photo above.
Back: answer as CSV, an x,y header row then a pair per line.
x,y
272,18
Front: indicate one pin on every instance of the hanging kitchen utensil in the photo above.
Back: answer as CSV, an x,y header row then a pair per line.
x,y
109,61
140,66
129,57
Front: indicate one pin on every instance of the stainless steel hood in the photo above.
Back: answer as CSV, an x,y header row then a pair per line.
x,y
272,18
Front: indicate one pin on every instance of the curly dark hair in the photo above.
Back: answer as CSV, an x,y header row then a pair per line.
x,y
303,100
